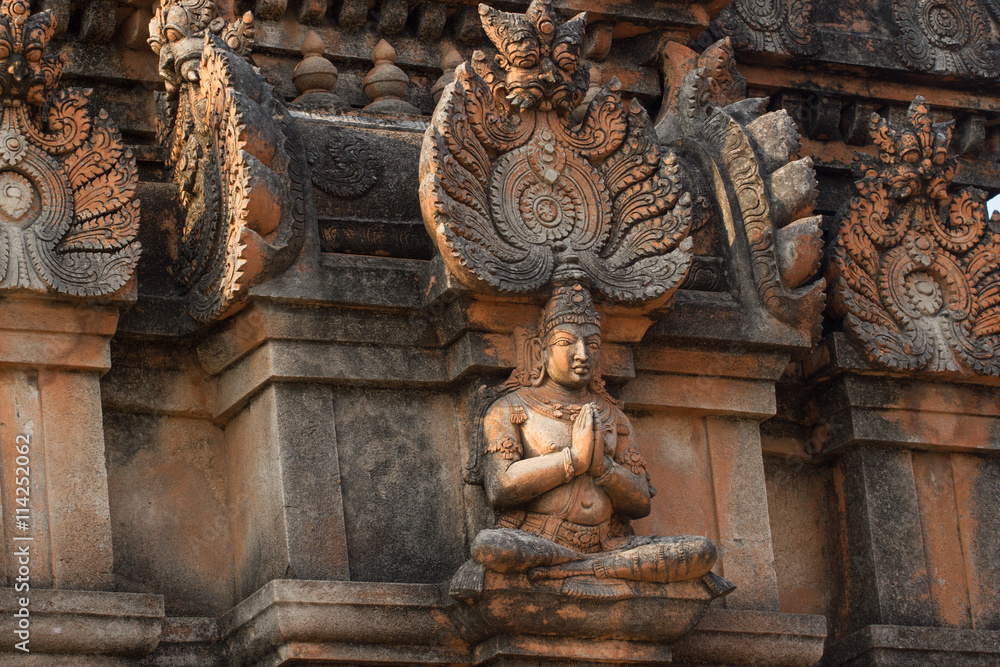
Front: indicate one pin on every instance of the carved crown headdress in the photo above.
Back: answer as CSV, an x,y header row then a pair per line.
x,y
568,305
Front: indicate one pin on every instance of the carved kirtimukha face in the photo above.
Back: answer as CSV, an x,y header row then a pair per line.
x,y
177,34
25,72
572,354
539,62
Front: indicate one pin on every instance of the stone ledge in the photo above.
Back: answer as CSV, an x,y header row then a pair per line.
x,y
326,622
904,646
86,623
736,637
556,651
322,620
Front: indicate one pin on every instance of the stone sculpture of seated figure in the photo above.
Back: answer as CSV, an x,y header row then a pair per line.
x,y
562,470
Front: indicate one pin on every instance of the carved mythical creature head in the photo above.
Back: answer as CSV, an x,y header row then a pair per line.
x,y
913,158
539,61
25,72
177,34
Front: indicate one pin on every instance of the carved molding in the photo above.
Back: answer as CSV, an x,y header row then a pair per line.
x,y
516,196
236,157
779,26
914,271
68,213
952,36
758,188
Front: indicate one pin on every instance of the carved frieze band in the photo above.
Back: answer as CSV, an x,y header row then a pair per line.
x,y
915,268
68,213
237,158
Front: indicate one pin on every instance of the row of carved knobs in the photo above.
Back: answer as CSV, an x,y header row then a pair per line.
x,y
833,118
385,85
352,14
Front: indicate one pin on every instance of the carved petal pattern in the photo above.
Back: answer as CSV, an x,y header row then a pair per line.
x,y
779,26
946,36
518,200
915,271
68,213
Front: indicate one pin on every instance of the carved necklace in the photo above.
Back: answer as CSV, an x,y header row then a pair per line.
x,y
566,412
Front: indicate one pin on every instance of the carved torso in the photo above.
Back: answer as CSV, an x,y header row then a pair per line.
x,y
525,424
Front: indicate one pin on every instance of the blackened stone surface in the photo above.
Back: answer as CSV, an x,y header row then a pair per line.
x,y
400,466
898,646
887,576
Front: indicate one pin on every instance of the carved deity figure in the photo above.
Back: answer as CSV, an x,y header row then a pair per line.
x,y
562,469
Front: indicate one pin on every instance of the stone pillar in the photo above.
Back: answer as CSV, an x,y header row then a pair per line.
x,y
701,439
916,483
52,355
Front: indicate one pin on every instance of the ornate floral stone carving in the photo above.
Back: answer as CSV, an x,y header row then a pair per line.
x,y
236,155
762,197
914,269
780,26
345,165
952,36
68,213
517,196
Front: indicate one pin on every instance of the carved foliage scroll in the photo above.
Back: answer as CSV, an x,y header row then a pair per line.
x,y
237,158
68,213
952,36
915,270
345,165
779,26
517,196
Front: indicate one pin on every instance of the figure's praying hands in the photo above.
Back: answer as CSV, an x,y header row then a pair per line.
x,y
604,447
586,431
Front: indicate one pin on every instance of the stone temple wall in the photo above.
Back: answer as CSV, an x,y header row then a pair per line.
x,y
267,268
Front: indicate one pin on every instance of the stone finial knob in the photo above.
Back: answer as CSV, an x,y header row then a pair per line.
x,y
449,62
315,76
386,83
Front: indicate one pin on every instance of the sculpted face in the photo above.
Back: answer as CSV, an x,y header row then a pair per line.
x,y
573,354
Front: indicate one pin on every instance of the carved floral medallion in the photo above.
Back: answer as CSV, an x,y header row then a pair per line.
x,y
517,196
915,270
780,26
951,36
68,216
237,158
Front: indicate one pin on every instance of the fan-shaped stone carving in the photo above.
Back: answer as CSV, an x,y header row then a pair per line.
x,y
952,37
237,157
759,189
780,26
517,196
68,213
914,269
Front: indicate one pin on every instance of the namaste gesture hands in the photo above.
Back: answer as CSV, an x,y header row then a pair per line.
x,y
592,444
